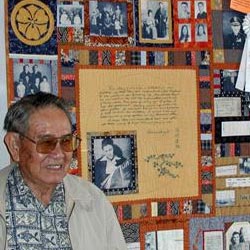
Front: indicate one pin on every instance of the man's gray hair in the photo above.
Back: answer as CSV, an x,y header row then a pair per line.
x,y
17,117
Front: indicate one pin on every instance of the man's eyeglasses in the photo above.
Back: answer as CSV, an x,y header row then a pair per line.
x,y
47,144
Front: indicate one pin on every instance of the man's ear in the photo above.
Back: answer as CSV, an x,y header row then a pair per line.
x,y
12,142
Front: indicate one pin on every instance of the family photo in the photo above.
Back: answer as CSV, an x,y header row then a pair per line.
x,y
108,19
155,20
70,15
30,78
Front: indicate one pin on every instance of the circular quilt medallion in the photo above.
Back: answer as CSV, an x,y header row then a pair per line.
x,y
32,22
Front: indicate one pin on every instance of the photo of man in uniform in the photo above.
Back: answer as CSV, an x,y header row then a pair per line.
x,y
235,39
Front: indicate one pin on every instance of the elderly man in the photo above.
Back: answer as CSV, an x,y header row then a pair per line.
x,y
41,206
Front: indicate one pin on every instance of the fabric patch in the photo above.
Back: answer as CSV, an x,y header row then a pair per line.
x,y
187,207
206,144
206,128
127,212
93,57
206,118
180,58
204,85
83,57
26,35
188,58
128,58
219,56
139,211
120,58
228,81
207,189
199,206
159,58
233,56
78,36
151,58
131,232
244,149
62,34
135,58
174,206
162,208
217,29
171,58
205,95
206,161
106,57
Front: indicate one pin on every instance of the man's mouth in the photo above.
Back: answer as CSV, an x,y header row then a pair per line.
x,y
54,166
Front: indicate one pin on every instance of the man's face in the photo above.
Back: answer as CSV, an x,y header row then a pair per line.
x,y
200,7
235,28
184,7
236,238
26,68
45,169
109,151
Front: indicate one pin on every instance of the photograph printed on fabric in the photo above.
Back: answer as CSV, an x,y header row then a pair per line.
x,y
113,162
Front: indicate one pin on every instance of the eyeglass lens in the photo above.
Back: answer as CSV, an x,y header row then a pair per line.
x,y
68,143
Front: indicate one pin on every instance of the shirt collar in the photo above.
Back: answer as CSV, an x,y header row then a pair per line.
x,y
23,189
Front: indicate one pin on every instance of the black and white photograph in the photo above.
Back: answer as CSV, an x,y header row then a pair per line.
x,y
238,236
108,19
200,9
205,57
150,241
170,239
245,102
70,15
155,21
233,34
69,58
201,32
30,78
184,9
244,165
184,32
113,163
164,239
225,198
228,81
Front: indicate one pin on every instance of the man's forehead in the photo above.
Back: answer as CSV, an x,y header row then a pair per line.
x,y
44,117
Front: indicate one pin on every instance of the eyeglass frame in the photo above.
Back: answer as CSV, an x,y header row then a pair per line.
x,y
58,139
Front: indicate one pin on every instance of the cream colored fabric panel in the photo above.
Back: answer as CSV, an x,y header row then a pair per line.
x,y
161,106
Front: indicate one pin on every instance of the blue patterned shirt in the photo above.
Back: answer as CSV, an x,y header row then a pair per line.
x,y
31,225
